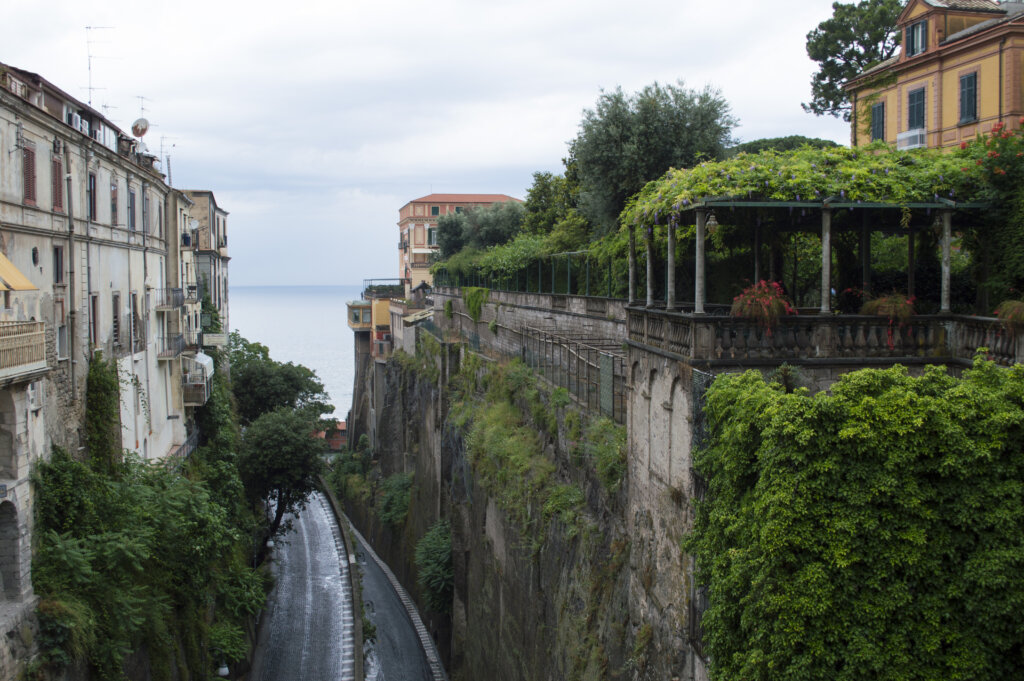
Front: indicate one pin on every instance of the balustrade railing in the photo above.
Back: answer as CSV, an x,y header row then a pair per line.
x,y
22,344
715,338
168,298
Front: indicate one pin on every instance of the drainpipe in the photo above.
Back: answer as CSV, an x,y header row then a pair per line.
x,y
1002,44
145,288
71,269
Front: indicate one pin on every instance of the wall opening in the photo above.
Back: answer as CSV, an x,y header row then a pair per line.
x,y
10,567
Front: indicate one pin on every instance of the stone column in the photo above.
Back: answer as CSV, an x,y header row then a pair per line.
x,y
649,245
670,274
632,264
826,261
698,277
947,238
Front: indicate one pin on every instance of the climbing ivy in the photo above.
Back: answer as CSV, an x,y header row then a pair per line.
x,y
870,532
103,413
434,567
475,297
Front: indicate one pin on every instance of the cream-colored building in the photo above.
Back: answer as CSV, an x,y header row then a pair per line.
x,y
93,259
959,72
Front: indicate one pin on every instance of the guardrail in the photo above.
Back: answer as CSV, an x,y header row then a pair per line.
x,y
22,347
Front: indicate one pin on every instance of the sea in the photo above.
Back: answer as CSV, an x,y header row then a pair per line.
x,y
305,325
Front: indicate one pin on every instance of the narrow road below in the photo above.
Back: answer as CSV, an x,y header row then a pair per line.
x,y
398,654
307,634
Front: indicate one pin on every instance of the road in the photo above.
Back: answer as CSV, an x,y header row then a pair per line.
x,y
307,632
397,654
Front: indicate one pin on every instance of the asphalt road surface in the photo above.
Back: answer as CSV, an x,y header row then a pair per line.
x,y
307,634
397,654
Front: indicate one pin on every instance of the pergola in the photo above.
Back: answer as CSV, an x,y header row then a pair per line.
x,y
875,217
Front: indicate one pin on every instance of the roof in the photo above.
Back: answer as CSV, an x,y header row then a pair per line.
x,y
1012,11
967,5
418,316
465,198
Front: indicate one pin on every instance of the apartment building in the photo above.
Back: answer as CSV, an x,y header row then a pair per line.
x,y
211,249
417,231
959,71
94,250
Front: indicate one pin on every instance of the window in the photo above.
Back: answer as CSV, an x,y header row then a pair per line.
x,y
57,173
878,121
115,316
28,174
113,203
62,341
146,227
458,209
435,210
131,210
58,264
432,236
90,195
969,98
917,38
94,318
915,109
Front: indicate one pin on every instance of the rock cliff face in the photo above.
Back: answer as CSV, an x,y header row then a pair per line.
x,y
601,593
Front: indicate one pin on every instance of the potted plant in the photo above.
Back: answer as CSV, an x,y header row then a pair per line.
x,y
1011,314
897,307
763,302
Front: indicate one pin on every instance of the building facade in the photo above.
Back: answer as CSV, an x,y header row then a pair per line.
x,y
211,250
958,72
94,252
417,230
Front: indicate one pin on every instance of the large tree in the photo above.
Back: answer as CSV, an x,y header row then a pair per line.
x,y
281,461
627,141
856,37
479,228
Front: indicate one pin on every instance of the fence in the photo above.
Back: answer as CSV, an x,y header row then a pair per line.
x,y
591,369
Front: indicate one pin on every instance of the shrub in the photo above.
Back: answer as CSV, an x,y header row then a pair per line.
x,y
475,297
434,571
763,302
897,307
393,504
448,311
605,443
1011,314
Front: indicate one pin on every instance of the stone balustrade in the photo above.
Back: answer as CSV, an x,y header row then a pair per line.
x,y
839,339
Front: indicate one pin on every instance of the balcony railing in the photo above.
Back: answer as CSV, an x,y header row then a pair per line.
x,y
843,339
191,293
22,347
170,346
168,298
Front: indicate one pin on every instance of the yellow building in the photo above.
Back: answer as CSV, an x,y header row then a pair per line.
x,y
958,72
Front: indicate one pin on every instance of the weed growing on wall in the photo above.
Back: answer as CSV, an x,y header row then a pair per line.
x,y
434,567
871,531
604,442
393,502
475,297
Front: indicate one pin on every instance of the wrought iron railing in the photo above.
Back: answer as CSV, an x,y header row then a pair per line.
x,y
168,298
170,346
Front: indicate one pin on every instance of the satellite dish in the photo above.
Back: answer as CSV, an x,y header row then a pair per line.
x,y
140,127
193,223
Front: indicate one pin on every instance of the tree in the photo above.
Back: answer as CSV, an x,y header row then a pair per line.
x,y
450,229
260,386
788,143
625,142
856,37
479,228
281,461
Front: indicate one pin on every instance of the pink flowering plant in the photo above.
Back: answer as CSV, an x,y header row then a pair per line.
x,y
1011,314
896,306
764,302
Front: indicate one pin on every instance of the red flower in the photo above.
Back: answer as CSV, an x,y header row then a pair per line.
x,y
963,145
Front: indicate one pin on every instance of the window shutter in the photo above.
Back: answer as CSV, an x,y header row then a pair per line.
x,y
58,184
29,174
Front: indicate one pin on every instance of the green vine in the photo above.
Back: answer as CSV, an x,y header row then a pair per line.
x,y
475,297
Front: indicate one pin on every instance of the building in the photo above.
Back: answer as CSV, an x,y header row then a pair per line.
x,y
959,72
94,251
211,250
417,230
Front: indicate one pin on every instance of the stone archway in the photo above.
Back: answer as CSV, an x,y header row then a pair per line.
x,y
8,427
10,552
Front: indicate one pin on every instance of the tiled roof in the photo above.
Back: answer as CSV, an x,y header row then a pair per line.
x,y
880,66
967,5
465,198
1012,9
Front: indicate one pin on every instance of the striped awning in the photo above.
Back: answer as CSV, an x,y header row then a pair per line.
x,y
11,278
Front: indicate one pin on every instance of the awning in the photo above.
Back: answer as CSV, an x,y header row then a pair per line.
x,y
411,319
11,279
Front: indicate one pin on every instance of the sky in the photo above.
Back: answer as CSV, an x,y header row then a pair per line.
x,y
314,122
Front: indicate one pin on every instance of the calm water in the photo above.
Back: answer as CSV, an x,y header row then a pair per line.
x,y
305,325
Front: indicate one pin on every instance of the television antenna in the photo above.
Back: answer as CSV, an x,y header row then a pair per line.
x,y
88,48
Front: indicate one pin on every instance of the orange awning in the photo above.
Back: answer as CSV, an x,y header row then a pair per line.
x,y
11,278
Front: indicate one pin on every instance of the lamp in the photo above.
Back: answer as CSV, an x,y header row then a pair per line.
x,y
712,223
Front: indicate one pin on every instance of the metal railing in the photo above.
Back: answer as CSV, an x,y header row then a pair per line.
x,y
168,298
22,344
591,369
170,346
185,449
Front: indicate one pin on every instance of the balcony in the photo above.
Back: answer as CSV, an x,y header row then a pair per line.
x,y
170,346
22,349
719,340
168,298
191,294
196,379
359,316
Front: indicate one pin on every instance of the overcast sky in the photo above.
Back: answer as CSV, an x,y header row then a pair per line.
x,y
314,122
